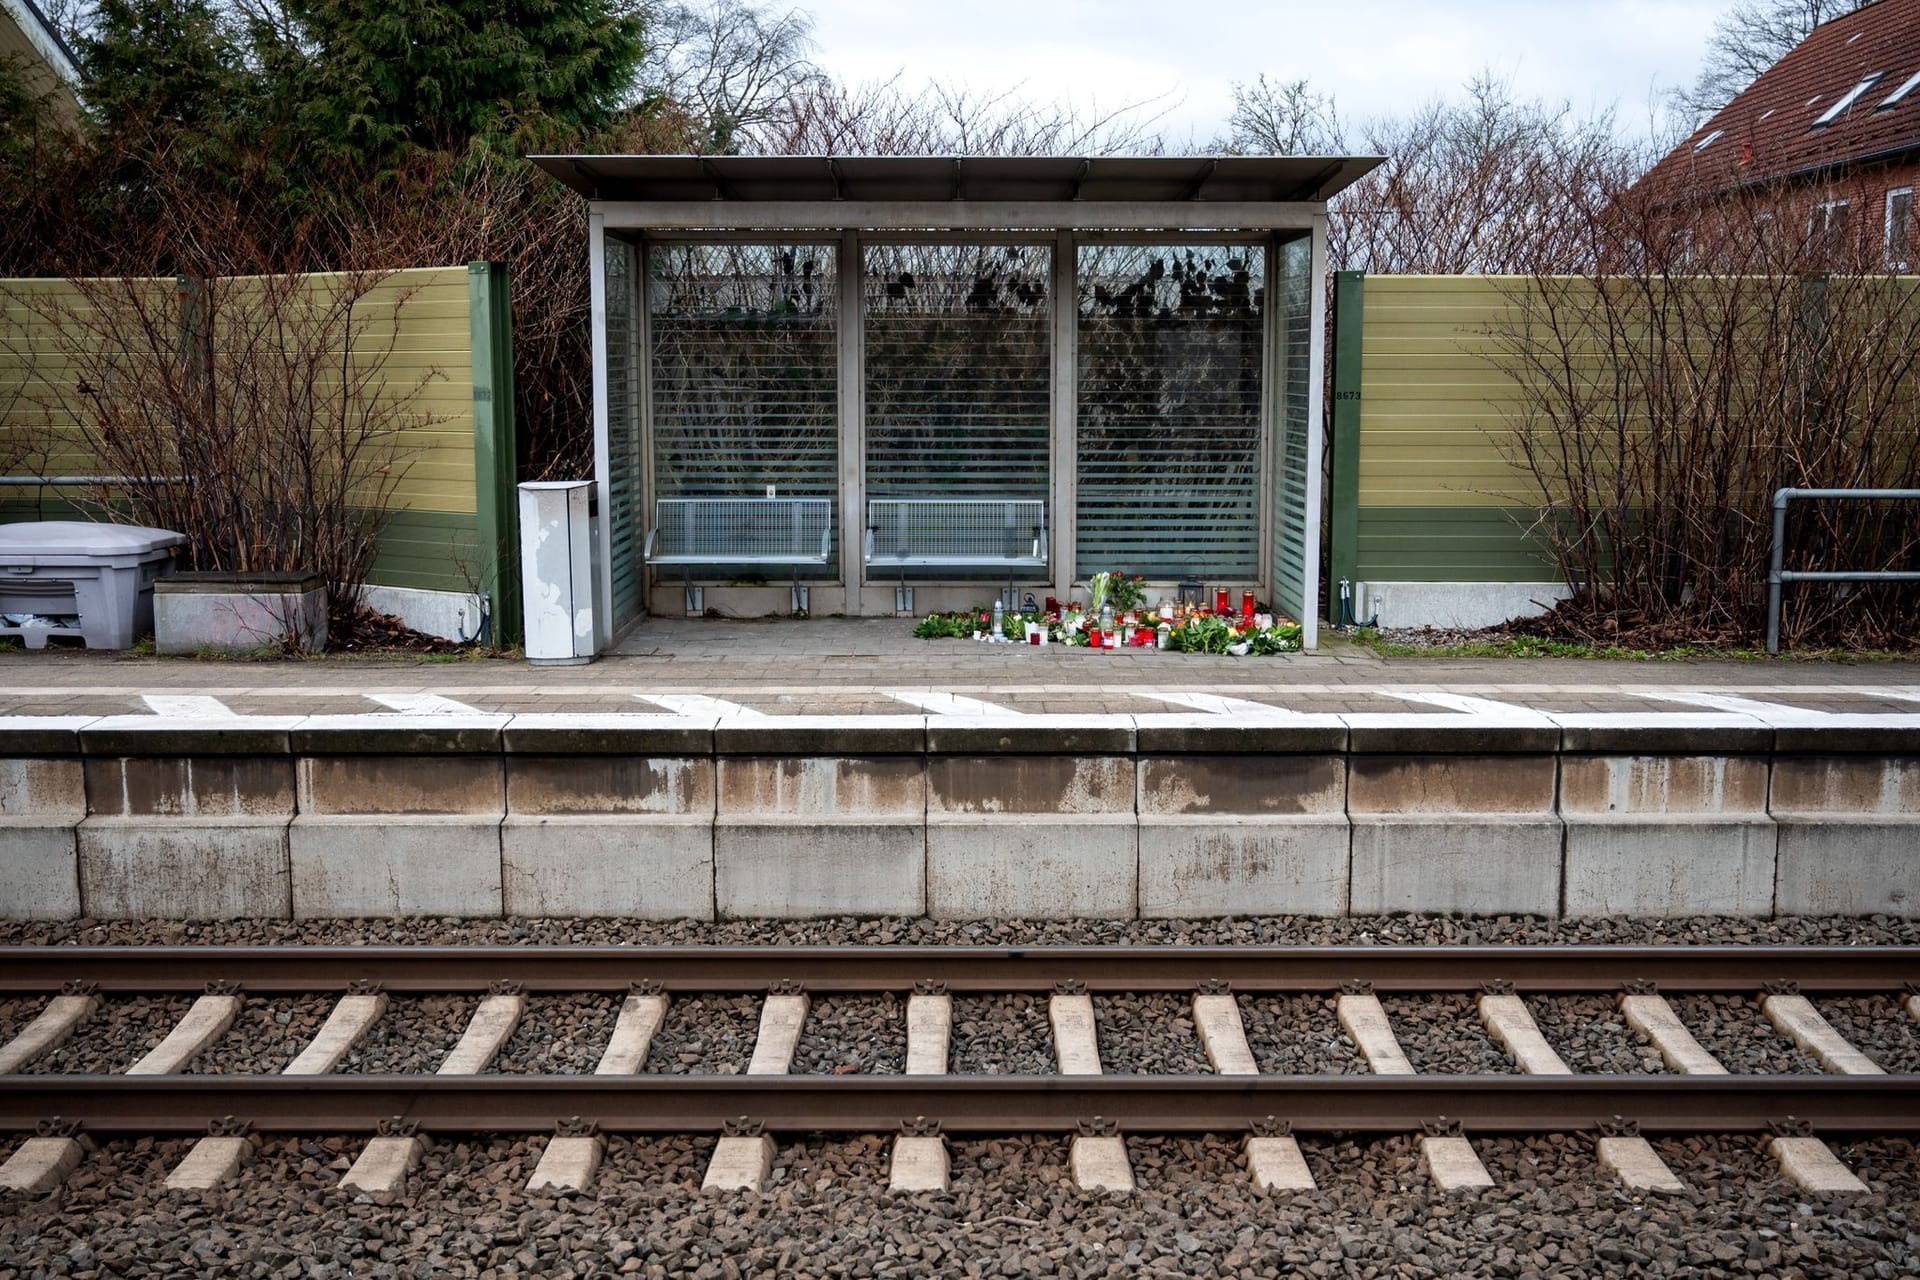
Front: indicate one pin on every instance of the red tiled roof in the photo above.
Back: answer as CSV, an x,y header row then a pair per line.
x,y
1768,132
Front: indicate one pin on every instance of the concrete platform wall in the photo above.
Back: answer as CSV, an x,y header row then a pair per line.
x,y
1038,817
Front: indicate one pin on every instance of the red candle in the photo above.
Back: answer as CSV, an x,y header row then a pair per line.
x,y
1220,601
1246,607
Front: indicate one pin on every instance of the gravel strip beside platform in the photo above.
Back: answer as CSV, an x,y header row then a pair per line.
x,y
1877,1026
1148,1035
269,1033
1443,1035
1298,1036
1591,1035
1732,1029
412,1036
853,1035
1292,930
705,1035
559,1035
1002,1036
118,1035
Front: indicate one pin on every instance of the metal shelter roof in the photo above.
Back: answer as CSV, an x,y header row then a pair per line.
x,y
1015,179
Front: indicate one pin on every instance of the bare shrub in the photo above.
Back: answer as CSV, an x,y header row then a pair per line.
x,y
1717,357
253,414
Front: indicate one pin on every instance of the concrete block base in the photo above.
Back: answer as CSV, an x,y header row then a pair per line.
x,y
40,867
1454,1165
213,1162
919,1164
184,868
1100,1164
569,1163
1244,866
740,1164
382,1169
395,865
237,614
1637,1165
1810,1164
1276,1164
40,1165
1669,866
1476,865
639,866
805,867
1039,866
1847,867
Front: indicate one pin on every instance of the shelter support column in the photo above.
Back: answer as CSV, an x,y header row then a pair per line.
x,y
602,454
1062,513
1316,433
853,453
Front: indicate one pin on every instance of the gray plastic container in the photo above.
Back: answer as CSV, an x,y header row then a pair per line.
x,y
91,580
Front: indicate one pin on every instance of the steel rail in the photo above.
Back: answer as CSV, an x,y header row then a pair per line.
x,y
965,1104
445,970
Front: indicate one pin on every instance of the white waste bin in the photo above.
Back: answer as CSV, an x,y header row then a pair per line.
x,y
556,571
76,578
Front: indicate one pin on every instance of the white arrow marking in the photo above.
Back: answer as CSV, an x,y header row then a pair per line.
x,y
424,704
699,704
187,707
1730,702
952,704
1219,705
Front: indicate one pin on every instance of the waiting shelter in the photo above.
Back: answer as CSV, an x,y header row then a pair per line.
x,y
873,384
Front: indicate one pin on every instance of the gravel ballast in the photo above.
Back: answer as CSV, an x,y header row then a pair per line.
x,y
1591,1034
1443,1035
1878,1027
1148,1035
1733,1029
705,1035
559,1035
266,1035
118,1034
1011,1213
1273,930
412,1036
1002,1036
1298,1036
853,1035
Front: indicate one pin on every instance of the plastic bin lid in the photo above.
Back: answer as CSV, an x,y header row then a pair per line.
x,y
83,538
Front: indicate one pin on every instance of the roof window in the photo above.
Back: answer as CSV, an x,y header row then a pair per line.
x,y
1847,99
1911,83
1707,141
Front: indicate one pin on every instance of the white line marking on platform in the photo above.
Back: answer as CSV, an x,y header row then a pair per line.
x,y
1731,702
951,704
187,706
1466,705
699,704
1219,705
424,704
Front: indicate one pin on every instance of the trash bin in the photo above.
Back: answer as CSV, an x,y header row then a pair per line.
x,y
76,578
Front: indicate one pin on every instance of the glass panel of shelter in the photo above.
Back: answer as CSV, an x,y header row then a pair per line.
x,y
743,341
745,377
957,380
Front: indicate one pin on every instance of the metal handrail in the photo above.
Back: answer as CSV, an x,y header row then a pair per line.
x,y
1778,576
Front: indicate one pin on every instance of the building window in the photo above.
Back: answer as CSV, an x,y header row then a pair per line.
x,y
1847,99
1827,227
1900,229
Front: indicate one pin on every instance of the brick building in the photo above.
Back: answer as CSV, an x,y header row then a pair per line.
x,y
1823,149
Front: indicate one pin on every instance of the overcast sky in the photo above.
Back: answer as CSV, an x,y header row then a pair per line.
x,y
1374,56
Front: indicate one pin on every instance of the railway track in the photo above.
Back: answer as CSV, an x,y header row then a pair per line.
x,y
68,987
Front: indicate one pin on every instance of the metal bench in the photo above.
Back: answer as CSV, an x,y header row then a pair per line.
x,y
788,532
955,533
